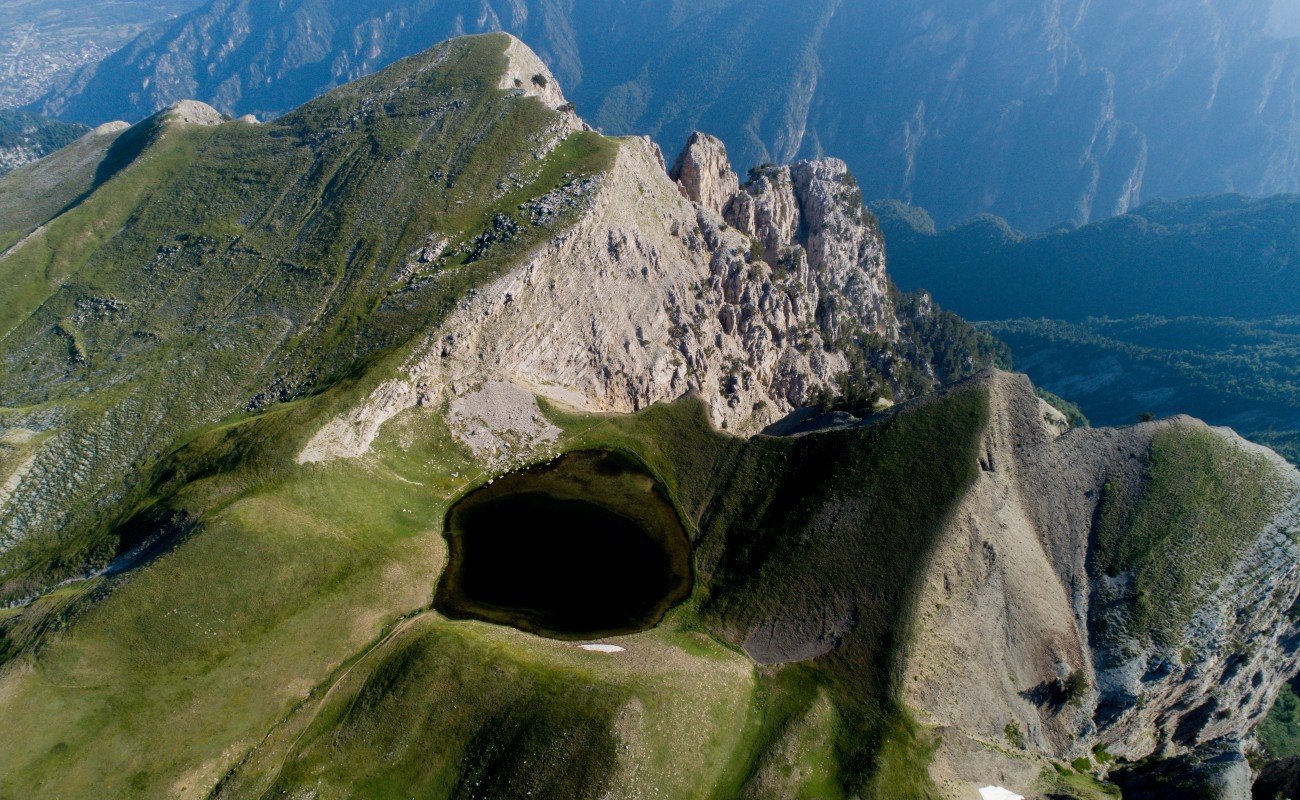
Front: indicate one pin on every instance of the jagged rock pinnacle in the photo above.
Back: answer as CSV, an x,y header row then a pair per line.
x,y
704,174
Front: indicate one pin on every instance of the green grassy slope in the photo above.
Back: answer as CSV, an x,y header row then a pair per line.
x,y
789,527
267,631
284,644
231,267
1279,733
1175,531
151,683
846,521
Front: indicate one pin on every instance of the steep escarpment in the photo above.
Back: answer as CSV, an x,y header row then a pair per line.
x,y
1126,591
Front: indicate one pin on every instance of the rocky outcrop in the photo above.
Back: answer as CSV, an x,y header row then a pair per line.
x,y
1216,771
812,212
653,294
192,112
992,561
704,173
526,74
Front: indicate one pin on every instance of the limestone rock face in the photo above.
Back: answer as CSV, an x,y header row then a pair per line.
x,y
526,73
1216,771
767,211
704,172
654,294
811,214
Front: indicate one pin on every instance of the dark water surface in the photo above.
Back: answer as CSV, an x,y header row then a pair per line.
x,y
587,546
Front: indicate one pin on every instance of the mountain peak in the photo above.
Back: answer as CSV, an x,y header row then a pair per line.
x,y
527,74
192,112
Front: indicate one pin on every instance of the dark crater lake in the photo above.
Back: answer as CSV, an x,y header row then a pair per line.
x,y
584,547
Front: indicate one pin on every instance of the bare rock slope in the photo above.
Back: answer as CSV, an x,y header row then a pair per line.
x,y
748,296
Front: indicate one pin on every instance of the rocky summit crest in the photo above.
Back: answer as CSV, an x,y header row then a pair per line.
x,y
778,302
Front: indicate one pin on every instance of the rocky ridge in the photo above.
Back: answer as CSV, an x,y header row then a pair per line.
x,y
753,298
747,296
1013,605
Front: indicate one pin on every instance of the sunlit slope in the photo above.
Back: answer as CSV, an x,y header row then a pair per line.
x,y
219,268
284,642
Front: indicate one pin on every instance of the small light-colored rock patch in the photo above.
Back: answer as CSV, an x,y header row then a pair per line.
x,y
349,435
998,793
602,648
193,112
15,478
17,436
109,128
526,73
500,421
1053,419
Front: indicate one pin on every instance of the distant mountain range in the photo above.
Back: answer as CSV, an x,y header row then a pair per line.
x,y
1238,373
1040,111
1175,308
43,43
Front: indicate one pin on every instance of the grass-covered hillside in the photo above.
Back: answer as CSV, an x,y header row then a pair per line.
x,y
208,271
194,608
1200,502
285,643
192,612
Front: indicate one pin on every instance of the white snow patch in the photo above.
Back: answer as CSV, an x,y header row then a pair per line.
x,y
609,648
998,793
